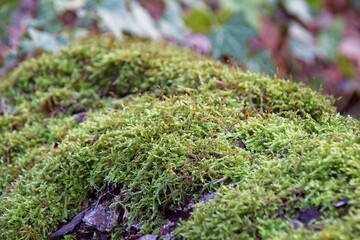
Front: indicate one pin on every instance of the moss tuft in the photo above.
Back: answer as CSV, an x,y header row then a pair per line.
x,y
166,126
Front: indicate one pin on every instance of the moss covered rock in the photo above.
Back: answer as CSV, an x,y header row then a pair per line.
x,y
163,127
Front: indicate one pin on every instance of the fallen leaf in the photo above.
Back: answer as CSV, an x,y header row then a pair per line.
x,y
232,38
155,8
308,215
198,42
69,227
350,47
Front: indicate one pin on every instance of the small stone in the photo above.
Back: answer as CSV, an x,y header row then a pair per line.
x,y
241,144
81,117
149,237
207,197
101,217
342,203
296,223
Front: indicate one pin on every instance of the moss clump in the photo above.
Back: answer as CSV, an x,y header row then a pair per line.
x,y
163,125
300,164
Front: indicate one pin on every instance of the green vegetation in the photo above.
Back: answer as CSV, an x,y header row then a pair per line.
x,y
164,125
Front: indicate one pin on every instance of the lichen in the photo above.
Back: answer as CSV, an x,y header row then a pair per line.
x,y
165,126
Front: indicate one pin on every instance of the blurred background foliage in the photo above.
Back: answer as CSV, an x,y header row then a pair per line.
x,y
314,41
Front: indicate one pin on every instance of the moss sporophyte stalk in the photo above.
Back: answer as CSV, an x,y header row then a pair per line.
x,y
164,127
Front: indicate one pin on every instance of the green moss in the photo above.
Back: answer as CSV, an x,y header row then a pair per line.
x,y
301,164
164,125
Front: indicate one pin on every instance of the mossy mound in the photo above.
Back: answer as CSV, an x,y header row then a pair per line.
x,y
164,127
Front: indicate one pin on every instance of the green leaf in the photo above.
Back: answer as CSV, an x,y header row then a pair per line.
x,y
347,67
253,10
330,39
355,4
119,16
199,21
232,38
46,18
172,24
261,62
145,25
7,7
316,4
303,50
63,5
223,16
204,20
114,15
299,8
44,40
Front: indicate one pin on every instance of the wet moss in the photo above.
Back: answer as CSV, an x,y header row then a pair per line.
x,y
164,125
